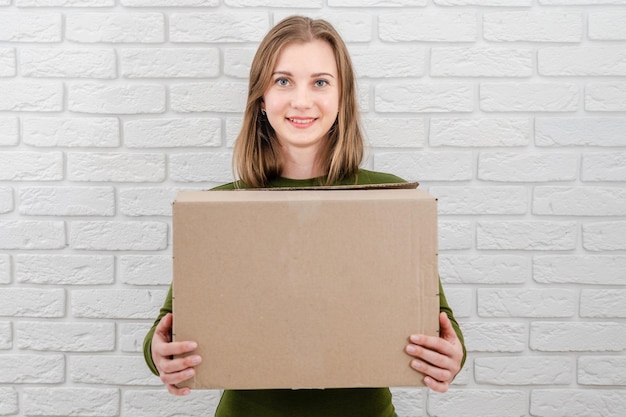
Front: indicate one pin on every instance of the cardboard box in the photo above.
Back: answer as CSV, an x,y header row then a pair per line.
x,y
304,288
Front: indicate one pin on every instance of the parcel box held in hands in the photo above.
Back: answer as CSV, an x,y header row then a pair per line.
x,y
304,288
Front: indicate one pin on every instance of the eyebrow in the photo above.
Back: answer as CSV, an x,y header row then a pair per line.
x,y
317,74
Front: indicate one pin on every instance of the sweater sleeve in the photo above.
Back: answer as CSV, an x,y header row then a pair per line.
x,y
147,341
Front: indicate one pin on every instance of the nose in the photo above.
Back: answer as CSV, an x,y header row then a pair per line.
x,y
302,98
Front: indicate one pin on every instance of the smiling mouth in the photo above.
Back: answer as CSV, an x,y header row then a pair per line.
x,y
301,121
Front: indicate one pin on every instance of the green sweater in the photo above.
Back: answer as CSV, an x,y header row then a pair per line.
x,y
357,402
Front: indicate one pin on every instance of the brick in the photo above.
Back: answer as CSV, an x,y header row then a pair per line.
x,y
146,201
527,167
604,236
64,3
394,132
579,201
604,166
428,26
170,62
32,302
601,370
111,370
353,26
88,402
118,235
117,167
95,98
427,166
6,340
483,269
30,96
388,62
8,401
579,2
68,63
535,370
609,26
9,134
6,199
580,131
201,167
462,299
408,401
582,61
410,97
218,27
169,3
477,402
5,269
575,337
228,97
65,269
481,62
8,67
233,127
579,269
170,133
132,336
605,97
454,200
30,27
603,303
67,201
145,269
526,235
31,166
65,337
479,132
96,132
150,403
527,96
32,369
494,337
577,402
275,3
116,304
455,235
544,26
530,302
32,234
506,3
115,27
376,3
237,61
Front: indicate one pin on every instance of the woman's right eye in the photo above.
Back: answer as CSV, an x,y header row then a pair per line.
x,y
282,82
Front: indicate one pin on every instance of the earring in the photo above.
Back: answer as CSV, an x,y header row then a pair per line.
x,y
263,112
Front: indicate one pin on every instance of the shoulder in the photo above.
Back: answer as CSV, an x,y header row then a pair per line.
x,y
230,186
373,177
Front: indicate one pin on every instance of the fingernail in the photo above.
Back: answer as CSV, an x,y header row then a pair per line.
x,y
411,349
195,360
417,364
415,338
192,345
189,373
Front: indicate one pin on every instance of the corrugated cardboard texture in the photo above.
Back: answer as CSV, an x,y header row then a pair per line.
x,y
304,289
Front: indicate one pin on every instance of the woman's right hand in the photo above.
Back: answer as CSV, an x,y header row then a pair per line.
x,y
173,370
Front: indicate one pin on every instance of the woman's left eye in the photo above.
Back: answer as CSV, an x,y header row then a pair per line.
x,y
321,83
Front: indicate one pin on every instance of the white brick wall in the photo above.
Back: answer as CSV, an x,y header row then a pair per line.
x,y
511,112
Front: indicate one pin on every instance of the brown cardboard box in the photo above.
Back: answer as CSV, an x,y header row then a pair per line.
x,y
304,288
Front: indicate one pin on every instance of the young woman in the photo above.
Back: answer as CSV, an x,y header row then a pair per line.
x,y
301,128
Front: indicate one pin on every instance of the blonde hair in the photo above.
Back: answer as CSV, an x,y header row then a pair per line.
x,y
257,155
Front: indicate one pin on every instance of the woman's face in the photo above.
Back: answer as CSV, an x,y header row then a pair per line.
x,y
302,100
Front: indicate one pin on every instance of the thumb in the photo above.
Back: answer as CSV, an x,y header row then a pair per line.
x,y
164,326
446,329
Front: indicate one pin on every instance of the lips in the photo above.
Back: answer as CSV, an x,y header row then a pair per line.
x,y
301,122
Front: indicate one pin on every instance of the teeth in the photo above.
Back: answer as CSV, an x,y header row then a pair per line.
x,y
301,121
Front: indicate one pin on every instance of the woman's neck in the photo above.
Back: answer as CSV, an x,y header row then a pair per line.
x,y
300,164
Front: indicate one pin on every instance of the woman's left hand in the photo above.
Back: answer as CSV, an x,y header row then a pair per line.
x,y
438,358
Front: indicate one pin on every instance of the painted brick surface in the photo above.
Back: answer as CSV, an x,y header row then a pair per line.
x,y
510,112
